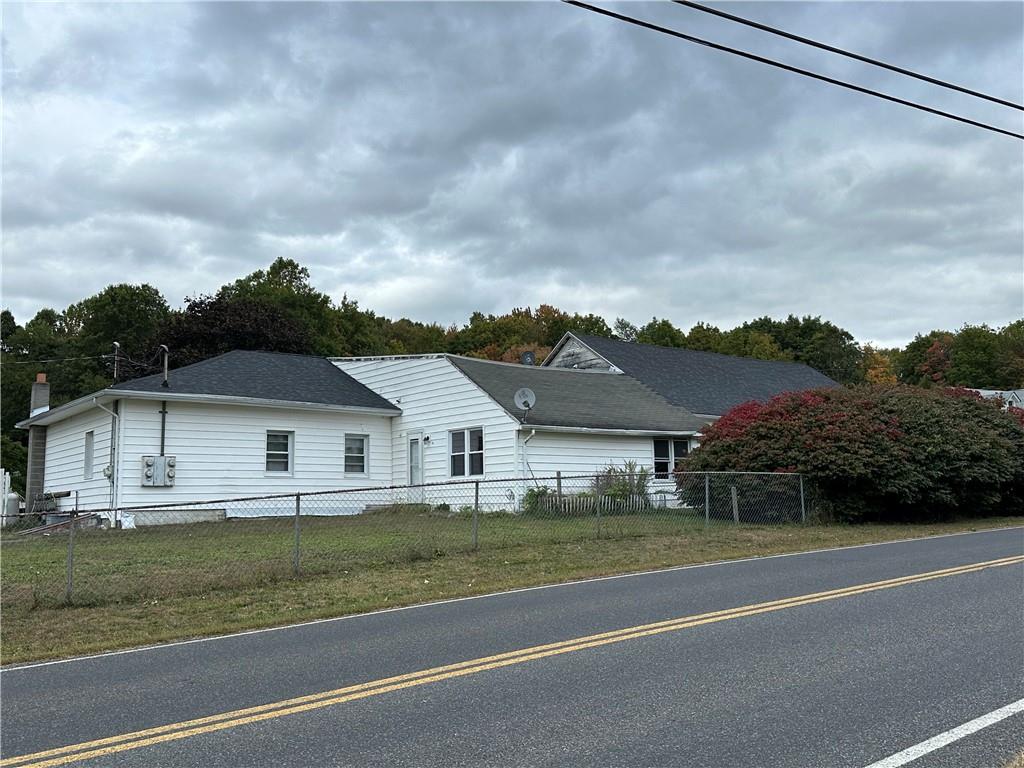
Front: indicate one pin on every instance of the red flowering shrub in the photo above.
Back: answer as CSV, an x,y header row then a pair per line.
x,y
880,452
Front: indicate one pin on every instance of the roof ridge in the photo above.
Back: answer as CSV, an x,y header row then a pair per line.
x,y
688,350
529,367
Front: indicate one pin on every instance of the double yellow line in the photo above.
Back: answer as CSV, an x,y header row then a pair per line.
x,y
188,728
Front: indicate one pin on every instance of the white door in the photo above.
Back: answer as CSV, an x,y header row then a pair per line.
x,y
416,468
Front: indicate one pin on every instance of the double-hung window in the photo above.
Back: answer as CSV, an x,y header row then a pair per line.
x,y
466,448
279,451
356,454
667,453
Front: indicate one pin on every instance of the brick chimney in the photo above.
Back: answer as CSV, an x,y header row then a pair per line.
x,y
40,401
35,470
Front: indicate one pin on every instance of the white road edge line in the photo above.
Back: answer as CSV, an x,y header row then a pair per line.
x,y
955,734
433,603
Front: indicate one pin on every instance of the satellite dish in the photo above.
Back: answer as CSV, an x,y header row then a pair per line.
x,y
525,399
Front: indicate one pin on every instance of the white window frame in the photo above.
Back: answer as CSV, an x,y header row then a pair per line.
x,y
267,453
672,458
90,455
466,453
365,454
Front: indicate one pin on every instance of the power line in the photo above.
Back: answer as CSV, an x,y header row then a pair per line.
x,y
848,54
53,360
789,68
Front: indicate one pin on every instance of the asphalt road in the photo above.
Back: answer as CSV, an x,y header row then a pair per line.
x,y
843,680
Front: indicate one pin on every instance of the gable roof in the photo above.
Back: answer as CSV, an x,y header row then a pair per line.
x,y
578,399
705,382
242,378
263,376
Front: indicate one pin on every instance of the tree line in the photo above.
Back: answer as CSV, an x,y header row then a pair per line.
x,y
278,309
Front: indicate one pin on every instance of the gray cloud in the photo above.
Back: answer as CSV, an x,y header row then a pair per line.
x,y
432,159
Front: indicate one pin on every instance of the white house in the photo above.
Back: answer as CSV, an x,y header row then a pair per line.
x,y
256,423
241,424
459,420
1010,397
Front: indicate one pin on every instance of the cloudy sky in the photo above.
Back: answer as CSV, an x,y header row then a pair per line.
x,y
433,159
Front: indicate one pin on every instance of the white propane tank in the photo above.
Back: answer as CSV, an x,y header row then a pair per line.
x,y
12,506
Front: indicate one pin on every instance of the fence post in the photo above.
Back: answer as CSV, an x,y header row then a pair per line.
x,y
600,501
558,488
476,514
803,508
295,554
735,506
707,499
68,588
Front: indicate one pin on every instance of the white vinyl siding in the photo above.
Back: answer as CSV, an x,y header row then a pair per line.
x,y
356,449
582,454
66,463
436,398
589,454
221,450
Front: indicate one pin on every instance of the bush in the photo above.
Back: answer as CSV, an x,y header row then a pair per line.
x,y
535,500
879,453
629,482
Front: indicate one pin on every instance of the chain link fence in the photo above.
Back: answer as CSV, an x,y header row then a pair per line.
x,y
135,555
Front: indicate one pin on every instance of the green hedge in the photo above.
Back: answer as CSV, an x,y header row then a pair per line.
x,y
880,453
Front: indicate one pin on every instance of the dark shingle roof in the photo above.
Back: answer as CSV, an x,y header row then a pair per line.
x,y
265,376
705,382
588,399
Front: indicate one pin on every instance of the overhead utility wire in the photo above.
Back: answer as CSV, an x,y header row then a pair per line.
x,y
788,68
848,54
53,360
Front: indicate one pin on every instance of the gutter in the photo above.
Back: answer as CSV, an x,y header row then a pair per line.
x,y
621,432
93,400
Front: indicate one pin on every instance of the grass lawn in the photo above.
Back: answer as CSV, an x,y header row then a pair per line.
x,y
172,582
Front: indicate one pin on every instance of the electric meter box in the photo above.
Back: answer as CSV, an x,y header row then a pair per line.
x,y
158,471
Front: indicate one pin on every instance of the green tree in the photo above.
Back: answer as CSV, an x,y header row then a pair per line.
x,y
662,333
213,325
704,338
815,342
914,355
624,330
285,284
979,358
745,342
1012,339
13,458
132,315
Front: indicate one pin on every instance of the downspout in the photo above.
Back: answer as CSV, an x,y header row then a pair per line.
x,y
526,467
526,461
115,420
